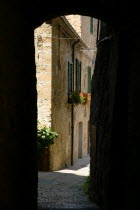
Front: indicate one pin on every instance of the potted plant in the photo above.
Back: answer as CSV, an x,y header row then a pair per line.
x,y
45,138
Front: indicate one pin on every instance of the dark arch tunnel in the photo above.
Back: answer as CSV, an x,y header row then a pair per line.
x,y
115,106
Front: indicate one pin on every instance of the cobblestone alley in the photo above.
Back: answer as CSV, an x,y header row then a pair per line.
x,y
63,189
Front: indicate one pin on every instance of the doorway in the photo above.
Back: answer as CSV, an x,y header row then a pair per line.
x,y
80,140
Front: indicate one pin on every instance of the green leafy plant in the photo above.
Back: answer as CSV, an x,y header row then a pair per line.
x,y
86,186
45,137
88,189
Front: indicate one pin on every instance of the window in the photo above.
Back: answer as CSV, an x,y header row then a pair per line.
x,y
91,25
78,75
89,79
70,78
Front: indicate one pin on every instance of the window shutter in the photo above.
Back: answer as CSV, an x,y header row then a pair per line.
x,y
89,79
91,25
70,77
78,75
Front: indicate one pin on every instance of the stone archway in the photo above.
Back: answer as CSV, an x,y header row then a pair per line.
x,y
18,103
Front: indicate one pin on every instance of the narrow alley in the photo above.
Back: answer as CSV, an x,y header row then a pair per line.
x,y
63,189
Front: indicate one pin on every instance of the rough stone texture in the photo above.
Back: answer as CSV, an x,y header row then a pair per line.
x,y
75,21
43,59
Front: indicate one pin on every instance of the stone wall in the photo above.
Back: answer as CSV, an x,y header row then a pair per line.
x,y
75,21
18,118
102,111
114,119
43,59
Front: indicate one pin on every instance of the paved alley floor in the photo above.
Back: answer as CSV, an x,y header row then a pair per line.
x,y
63,189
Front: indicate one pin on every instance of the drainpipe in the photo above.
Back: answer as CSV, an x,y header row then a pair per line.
x,y
72,106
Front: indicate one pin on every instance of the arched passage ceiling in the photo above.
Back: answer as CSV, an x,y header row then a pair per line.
x,y
117,12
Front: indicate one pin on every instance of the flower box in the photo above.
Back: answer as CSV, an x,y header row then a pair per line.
x,y
77,98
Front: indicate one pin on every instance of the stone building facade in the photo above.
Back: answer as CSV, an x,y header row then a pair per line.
x,y
61,45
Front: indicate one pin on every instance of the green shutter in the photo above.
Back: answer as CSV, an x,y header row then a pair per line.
x,y
78,75
89,79
91,25
70,77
